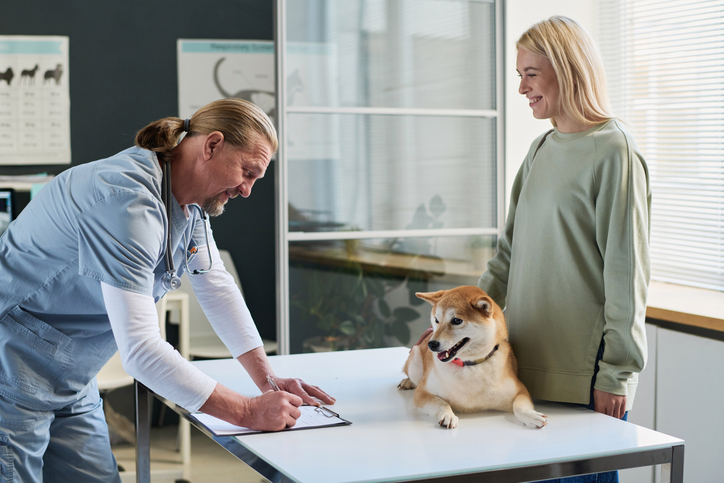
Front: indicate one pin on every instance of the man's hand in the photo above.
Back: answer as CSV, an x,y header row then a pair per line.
x,y
272,411
310,394
609,404
257,365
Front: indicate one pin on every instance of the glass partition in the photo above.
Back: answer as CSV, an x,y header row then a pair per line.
x,y
357,294
425,54
390,163
369,172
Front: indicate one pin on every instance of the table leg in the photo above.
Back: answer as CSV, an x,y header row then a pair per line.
x,y
143,434
674,472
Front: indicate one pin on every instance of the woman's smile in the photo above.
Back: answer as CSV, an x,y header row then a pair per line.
x,y
538,83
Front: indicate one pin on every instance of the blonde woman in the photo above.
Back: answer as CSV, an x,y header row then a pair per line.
x,y
81,269
572,266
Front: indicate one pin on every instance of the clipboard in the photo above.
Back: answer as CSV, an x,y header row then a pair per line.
x,y
312,417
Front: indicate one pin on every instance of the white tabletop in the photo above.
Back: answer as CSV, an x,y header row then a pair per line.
x,y
390,440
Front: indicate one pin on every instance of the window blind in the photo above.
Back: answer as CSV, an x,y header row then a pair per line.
x,y
665,67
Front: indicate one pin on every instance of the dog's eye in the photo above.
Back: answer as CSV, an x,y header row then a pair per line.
x,y
437,321
456,321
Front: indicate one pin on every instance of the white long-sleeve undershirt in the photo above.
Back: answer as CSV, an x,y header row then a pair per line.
x,y
154,362
147,356
223,303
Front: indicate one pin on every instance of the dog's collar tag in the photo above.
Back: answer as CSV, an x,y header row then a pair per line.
x,y
461,363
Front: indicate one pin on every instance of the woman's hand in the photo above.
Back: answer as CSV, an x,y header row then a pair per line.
x,y
609,404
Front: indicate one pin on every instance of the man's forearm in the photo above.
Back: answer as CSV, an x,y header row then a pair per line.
x,y
257,365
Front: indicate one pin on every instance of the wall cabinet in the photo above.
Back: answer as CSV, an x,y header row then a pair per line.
x,y
681,392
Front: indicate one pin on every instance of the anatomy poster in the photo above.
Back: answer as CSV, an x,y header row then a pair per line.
x,y
217,69
34,100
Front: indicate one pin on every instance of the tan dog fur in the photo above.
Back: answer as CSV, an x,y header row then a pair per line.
x,y
444,387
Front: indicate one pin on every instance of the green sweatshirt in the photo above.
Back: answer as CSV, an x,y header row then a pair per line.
x,y
572,266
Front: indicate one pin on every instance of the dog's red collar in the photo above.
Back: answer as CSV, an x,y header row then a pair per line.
x,y
476,361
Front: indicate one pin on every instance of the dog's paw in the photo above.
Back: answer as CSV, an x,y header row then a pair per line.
x,y
532,418
447,419
405,384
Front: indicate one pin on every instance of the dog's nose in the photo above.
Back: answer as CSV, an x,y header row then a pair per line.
x,y
433,345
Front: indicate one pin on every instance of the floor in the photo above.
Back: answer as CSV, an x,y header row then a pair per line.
x,y
209,461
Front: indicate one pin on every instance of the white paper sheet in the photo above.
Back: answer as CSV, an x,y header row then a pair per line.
x,y
312,417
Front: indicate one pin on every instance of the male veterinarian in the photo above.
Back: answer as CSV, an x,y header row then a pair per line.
x,y
81,269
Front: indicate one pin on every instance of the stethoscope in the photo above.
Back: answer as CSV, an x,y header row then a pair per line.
x,y
170,280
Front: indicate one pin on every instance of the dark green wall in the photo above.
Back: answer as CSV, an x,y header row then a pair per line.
x,y
123,76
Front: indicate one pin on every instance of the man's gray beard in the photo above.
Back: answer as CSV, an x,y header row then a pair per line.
x,y
214,206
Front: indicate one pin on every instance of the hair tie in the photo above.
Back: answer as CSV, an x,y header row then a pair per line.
x,y
187,122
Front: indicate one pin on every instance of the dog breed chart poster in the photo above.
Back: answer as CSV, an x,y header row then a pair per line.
x,y
34,100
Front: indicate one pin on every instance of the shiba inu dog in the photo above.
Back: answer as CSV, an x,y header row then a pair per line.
x,y
465,363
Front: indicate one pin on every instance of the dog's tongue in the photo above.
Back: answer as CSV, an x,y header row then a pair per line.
x,y
443,355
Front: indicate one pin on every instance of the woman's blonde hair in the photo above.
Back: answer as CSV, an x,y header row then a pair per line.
x,y
242,123
577,64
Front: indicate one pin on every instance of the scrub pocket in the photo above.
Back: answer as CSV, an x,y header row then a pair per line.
x,y
31,352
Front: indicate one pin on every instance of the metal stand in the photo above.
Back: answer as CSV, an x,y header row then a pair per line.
x,y
143,434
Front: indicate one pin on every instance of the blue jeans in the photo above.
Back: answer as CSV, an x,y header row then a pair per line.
x,y
608,477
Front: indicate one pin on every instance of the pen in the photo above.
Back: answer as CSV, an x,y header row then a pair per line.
x,y
274,386
271,382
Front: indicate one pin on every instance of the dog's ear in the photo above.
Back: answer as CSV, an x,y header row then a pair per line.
x,y
431,297
483,304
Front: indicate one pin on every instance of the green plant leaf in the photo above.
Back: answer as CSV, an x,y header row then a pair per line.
x,y
401,331
392,283
415,285
405,314
384,308
369,336
348,328
375,287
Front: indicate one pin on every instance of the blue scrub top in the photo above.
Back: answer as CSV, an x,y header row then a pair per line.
x,y
102,221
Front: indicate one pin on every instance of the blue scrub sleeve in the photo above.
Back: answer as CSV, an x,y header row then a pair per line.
x,y
120,241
